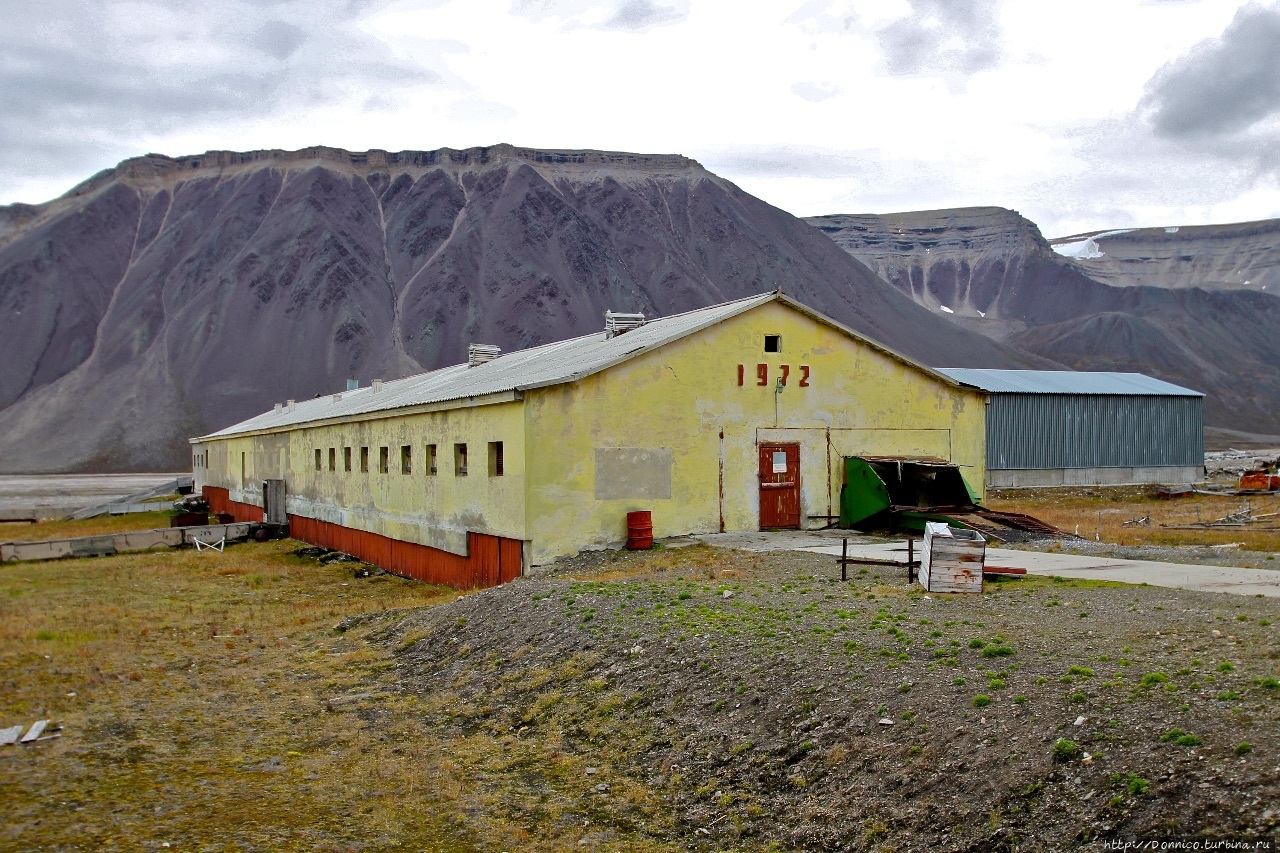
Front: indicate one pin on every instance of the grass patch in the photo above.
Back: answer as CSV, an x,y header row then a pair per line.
x,y
100,526
197,702
1065,750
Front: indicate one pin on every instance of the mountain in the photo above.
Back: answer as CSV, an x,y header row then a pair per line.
x,y
1188,305
166,298
1242,256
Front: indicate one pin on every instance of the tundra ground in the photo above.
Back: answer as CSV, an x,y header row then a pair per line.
x,y
692,698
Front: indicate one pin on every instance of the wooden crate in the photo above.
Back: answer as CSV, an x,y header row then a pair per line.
x,y
952,560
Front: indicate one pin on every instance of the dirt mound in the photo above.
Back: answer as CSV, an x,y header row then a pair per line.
x,y
756,699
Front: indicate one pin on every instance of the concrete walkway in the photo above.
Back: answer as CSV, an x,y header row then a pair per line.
x,y
1232,579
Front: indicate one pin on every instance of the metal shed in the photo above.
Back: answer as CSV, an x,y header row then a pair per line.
x,y
1061,427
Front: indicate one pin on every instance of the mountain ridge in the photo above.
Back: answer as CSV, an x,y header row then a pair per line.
x,y
168,297
992,271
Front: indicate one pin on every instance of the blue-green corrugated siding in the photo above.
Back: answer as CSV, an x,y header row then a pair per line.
x,y
1093,431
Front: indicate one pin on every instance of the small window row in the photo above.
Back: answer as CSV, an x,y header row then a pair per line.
x,y
429,465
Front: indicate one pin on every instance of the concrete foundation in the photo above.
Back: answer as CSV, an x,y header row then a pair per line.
x,y
117,543
1027,478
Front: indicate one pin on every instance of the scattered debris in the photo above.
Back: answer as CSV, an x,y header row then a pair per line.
x,y
9,736
1236,462
1145,521
192,503
1259,480
37,728
1167,493
329,556
201,545
1236,519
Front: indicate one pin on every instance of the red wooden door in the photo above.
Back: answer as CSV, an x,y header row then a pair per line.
x,y
779,486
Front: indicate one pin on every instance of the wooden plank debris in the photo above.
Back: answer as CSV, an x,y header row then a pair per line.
x,y
1002,570
37,728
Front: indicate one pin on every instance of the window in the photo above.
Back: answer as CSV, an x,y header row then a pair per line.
x,y
773,343
333,459
364,460
384,460
319,460
460,460
406,459
495,459
431,460
346,459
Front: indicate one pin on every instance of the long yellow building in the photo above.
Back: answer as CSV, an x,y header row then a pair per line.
x,y
729,418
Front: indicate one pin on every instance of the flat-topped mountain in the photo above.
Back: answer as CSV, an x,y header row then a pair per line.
x,y
1154,301
169,297
1241,256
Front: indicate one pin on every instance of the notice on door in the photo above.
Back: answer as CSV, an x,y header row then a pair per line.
x,y
779,462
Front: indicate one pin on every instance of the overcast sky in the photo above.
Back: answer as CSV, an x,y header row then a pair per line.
x,y
1082,115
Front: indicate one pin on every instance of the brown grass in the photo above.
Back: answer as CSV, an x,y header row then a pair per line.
x,y
206,701
1101,513
192,688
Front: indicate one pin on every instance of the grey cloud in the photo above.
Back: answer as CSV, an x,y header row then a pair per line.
x,y
642,14
633,15
943,35
80,81
279,39
1223,85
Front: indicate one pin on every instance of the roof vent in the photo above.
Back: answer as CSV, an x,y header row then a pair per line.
x,y
278,408
289,406
353,384
377,385
478,354
337,397
615,323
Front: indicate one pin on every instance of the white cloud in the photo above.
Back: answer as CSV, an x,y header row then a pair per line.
x,y
815,92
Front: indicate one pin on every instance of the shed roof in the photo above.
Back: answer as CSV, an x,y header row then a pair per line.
x,y
1065,382
522,370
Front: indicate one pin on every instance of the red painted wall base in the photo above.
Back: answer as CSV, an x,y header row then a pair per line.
x,y
491,560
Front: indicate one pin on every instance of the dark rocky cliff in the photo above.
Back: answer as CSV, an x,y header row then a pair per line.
x,y
166,298
1161,306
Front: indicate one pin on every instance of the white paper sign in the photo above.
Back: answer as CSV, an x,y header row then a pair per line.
x,y
779,462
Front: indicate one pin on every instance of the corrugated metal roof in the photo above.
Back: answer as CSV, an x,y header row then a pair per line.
x,y
550,364
1065,382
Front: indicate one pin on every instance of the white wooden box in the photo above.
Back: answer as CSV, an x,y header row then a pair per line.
x,y
952,560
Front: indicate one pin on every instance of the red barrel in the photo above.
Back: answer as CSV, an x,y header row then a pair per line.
x,y
639,530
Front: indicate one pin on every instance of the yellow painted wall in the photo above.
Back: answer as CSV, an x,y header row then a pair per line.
x,y
684,395
434,510
683,400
